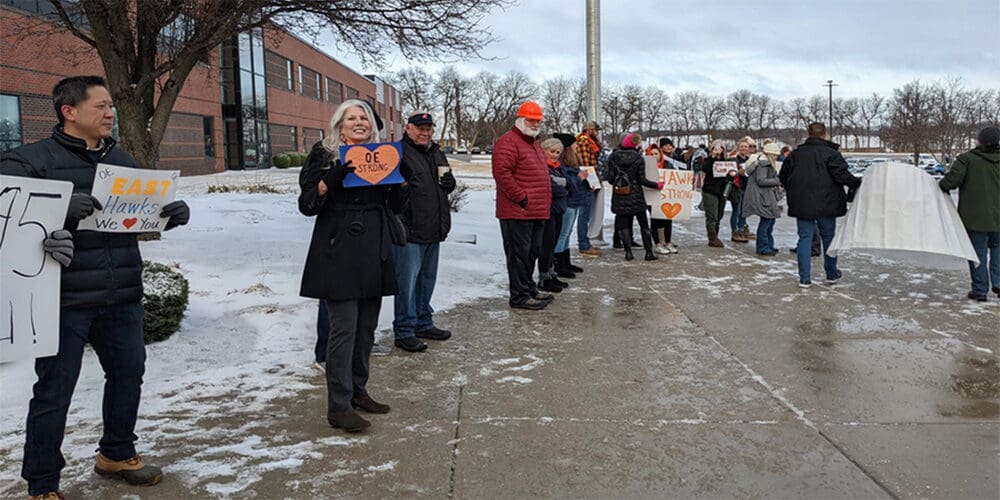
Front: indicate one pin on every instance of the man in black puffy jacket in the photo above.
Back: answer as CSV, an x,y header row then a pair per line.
x,y
814,177
100,297
427,216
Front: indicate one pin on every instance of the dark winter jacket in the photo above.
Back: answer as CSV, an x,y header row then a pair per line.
x,y
106,267
713,185
814,177
520,172
350,255
578,189
629,162
559,191
976,174
426,212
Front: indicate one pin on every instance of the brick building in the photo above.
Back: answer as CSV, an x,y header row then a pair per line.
x,y
255,97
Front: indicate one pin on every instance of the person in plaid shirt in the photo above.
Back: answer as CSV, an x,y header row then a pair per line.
x,y
589,148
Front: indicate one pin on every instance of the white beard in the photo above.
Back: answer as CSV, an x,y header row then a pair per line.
x,y
525,129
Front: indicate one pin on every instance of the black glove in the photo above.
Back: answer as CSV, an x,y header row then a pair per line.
x,y
447,182
81,205
336,173
523,203
177,212
59,245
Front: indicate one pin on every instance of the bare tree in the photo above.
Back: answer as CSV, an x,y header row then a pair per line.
x,y
416,88
911,118
655,103
765,114
558,102
145,75
685,111
711,110
739,111
450,88
871,110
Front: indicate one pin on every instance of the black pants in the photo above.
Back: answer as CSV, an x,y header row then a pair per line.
x,y
666,225
522,242
352,333
624,223
550,236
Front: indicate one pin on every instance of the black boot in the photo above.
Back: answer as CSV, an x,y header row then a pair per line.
x,y
559,283
626,240
647,243
569,265
562,269
549,286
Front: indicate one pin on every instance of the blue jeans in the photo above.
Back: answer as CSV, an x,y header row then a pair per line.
x,y
115,332
985,242
569,217
583,222
322,331
765,236
826,226
736,219
416,274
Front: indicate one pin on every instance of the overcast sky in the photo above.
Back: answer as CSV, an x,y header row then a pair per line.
x,y
782,48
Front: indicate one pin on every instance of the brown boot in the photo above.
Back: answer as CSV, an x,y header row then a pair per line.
x,y
52,495
713,239
747,234
132,470
738,236
367,404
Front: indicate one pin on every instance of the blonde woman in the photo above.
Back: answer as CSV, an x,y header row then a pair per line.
x,y
350,241
762,195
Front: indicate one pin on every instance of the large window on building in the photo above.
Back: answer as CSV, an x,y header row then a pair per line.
x,y
351,93
208,128
279,71
309,83
244,102
10,122
334,91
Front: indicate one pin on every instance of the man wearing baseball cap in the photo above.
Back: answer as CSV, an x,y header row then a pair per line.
x,y
524,196
427,217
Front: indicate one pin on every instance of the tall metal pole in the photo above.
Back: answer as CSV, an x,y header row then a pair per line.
x,y
829,129
594,60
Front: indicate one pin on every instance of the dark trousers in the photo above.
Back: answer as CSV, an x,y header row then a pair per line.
x,y
352,334
666,225
115,332
550,236
522,242
987,274
322,331
624,223
715,207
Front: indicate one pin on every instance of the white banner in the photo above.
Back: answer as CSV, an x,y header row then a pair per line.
x,y
132,199
592,180
722,168
673,202
30,209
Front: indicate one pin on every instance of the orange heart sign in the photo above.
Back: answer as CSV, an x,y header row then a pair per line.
x,y
128,223
373,164
671,209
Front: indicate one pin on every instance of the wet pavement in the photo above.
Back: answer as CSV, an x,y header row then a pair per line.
x,y
705,374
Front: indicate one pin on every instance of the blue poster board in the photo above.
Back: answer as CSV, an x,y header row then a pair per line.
x,y
374,164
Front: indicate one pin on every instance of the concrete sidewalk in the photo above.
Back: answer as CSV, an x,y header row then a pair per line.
x,y
704,374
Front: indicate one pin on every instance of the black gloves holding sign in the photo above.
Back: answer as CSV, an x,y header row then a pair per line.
x,y
336,173
81,205
59,245
177,212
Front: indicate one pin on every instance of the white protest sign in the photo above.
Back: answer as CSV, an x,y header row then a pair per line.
x,y
722,168
673,202
132,199
592,180
30,209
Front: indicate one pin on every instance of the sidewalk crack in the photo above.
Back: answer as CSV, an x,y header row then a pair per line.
x,y
455,441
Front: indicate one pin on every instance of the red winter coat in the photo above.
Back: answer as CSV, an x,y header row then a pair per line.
x,y
519,170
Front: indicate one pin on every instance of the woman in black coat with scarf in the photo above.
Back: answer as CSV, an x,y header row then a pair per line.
x,y
349,264
628,176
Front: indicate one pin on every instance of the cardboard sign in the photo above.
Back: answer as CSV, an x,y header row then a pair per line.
x,y
673,202
592,180
722,168
132,199
30,209
374,164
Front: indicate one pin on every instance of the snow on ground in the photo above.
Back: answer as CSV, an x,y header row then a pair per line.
x,y
246,328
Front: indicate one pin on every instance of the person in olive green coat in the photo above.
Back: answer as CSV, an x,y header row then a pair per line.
x,y
976,174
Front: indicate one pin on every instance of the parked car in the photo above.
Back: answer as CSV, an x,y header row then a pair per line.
x,y
488,150
462,150
934,169
475,150
448,150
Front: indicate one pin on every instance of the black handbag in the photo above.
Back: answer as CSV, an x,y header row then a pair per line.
x,y
397,230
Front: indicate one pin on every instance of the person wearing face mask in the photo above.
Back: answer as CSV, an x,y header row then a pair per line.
x,y
349,263
524,198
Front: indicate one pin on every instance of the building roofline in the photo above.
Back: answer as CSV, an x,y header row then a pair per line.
x,y
278,26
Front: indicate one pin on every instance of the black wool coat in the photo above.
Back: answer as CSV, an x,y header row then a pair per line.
x,y
350,254
814,177
629,163
106,267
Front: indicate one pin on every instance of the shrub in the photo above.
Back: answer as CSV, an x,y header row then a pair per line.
x,y
164,298
458,198
283,160
298,158
254,187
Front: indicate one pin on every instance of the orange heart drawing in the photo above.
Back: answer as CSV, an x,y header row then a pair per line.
x,y
373,166
671,209
128,223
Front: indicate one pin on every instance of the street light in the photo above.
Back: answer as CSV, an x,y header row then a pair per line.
x,y
831,85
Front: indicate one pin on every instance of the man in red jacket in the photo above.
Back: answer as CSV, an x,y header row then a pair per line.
x,y
524,198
